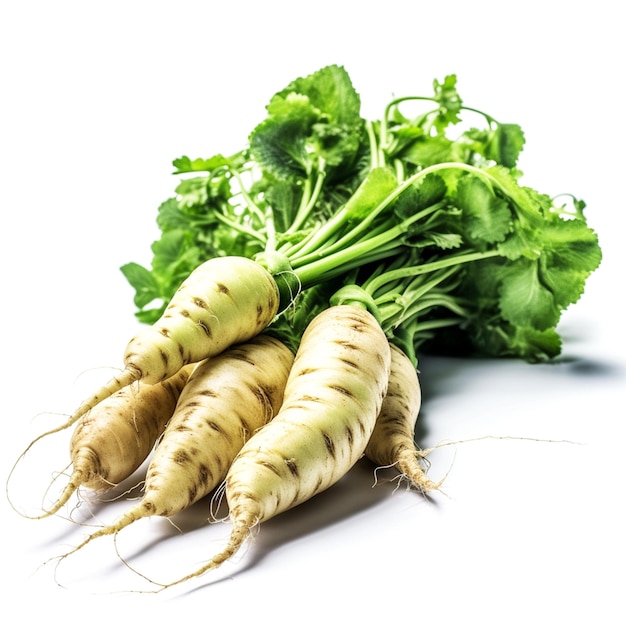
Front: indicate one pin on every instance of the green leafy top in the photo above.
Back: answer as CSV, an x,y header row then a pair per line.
x,y
429,228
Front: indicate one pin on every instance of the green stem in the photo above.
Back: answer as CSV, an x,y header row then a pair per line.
x,y
270,245
254,209
432,266
381,246
316,240
309,198
253,234
377,155
384,128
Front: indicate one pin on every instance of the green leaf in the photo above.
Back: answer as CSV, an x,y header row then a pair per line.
x,y
314,116
170,216
185,165
279,143
170,249
444,241
486,217
379,183
143,281
571,253
426,151
524,298
450,103
284,198
193,191
427,192
534,345
329,90
528,203
501,340
505,144
430,190
337,145
521,242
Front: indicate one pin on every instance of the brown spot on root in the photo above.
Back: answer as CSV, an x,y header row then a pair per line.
x,y
308,370
350,363
240,356
200,303
181,457
209,393
349,436
215,426
204,474
309,398
362,428
205,328
330,444
342,390
222,288
246,428
292,466
270,466
347,344
218,429
319,483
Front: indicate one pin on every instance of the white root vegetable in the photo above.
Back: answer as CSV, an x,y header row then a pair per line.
x,y
392,442
226,300
226,400
333,395
110,442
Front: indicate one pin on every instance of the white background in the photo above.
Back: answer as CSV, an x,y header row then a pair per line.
x,y
96,101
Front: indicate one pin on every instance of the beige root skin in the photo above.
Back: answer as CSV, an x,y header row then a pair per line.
x,y
332,397
225,401
392,442
226,300
111,441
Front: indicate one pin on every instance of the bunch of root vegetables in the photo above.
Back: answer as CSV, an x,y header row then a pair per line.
x,y
295,284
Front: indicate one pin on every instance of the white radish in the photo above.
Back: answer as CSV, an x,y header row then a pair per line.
x,y
226,300
332,398
392,442
115,438
225,401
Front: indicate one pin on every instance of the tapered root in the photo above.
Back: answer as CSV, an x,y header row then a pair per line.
x,y
242,527
127,377
410,467
136,513
74,483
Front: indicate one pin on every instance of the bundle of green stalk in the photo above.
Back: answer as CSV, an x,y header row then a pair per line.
x,y
294,285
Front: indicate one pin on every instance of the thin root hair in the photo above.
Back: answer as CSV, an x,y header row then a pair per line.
x,y
110,368
21,457
215,504
251,535
292,296
380,468
443,444
123,494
